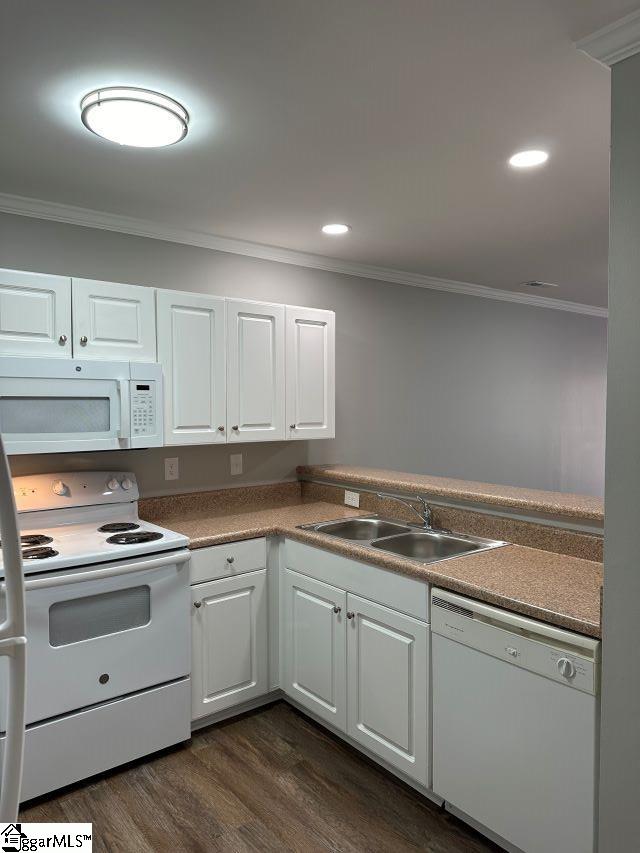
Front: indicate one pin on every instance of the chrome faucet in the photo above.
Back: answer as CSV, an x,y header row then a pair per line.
x,y
425,516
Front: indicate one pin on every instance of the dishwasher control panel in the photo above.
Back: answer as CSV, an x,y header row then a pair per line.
x,y
562,656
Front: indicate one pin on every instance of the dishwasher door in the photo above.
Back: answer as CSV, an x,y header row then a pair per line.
x,y
515,717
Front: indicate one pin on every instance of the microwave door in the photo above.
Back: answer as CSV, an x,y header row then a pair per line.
x,y
57,415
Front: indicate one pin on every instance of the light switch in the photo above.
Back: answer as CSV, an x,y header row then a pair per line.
x,y
236,463
171,468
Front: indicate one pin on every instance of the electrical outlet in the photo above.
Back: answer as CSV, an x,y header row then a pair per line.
x,y
236,463
352,498
171,468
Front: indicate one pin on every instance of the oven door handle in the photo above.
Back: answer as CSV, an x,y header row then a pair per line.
x,y
175,559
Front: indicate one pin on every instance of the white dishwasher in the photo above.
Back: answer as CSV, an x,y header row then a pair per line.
x,y
515,724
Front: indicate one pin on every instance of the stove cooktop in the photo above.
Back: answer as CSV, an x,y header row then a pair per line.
x,y
89,541
84,518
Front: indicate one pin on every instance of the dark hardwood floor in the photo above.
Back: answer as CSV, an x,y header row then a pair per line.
x,y
271,780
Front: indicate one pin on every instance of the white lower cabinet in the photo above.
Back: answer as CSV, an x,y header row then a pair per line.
x,y
359,665
313,631
229,642
387,665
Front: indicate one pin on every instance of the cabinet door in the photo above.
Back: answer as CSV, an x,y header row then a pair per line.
x,y
116,322
255,371
313,645
310,373
191,349
388,665
229,662
35,314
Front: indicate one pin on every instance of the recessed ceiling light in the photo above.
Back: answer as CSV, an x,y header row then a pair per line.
x,y
136,117
336,228
527,159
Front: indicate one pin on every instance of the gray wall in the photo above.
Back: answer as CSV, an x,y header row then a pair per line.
x,y
427,381
620,732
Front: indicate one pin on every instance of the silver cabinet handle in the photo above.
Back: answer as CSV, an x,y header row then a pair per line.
x,y
337,609
235,427
84,340
350,614
62,340
230,559
220,429
197,604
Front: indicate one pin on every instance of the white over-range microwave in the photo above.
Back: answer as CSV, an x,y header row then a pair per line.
x,y
56,406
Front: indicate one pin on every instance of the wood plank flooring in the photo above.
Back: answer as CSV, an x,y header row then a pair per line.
x,y
271,780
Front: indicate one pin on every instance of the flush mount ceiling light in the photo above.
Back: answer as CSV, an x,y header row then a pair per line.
x,y
137,117
536,283
527,159
336,228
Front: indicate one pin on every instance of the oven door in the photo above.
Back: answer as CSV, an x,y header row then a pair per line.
x,y
49,415
106,631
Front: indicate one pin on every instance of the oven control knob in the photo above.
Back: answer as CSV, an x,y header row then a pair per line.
x,y
566,668
59,488
113,484
126,484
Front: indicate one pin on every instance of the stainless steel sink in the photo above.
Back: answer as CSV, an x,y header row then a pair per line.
x,y
406,540
427,547
361,529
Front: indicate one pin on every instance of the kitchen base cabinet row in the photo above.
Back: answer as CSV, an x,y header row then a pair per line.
x,y
351,645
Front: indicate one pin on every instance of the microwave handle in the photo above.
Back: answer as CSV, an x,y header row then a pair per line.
x,y
111,572
124,391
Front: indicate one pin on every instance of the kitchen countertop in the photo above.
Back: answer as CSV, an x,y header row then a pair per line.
x,y
559,504
560,590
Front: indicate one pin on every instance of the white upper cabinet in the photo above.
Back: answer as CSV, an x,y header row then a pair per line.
x,y
255,371
192,351
234,370
310,370
113,321
35,314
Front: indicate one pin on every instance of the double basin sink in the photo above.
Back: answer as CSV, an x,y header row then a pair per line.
x,y
424,545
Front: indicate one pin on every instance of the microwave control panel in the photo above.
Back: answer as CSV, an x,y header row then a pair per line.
x,y
143,408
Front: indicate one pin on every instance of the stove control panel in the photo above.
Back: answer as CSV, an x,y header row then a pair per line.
x,y
74,489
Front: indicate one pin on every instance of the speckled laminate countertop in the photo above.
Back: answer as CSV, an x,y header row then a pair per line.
x,y
561,590
560,504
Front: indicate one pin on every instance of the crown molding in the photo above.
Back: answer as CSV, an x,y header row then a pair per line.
x,y
615,42
55,212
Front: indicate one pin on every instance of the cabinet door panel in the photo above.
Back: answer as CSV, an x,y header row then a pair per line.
x,y
387,685
310,348
191,349
230,642
314,646
113,321
35,314
255,376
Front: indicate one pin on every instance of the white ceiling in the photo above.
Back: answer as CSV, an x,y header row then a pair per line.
x,y
396,116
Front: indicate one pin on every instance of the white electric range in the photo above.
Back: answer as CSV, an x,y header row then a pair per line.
x,y
108,609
